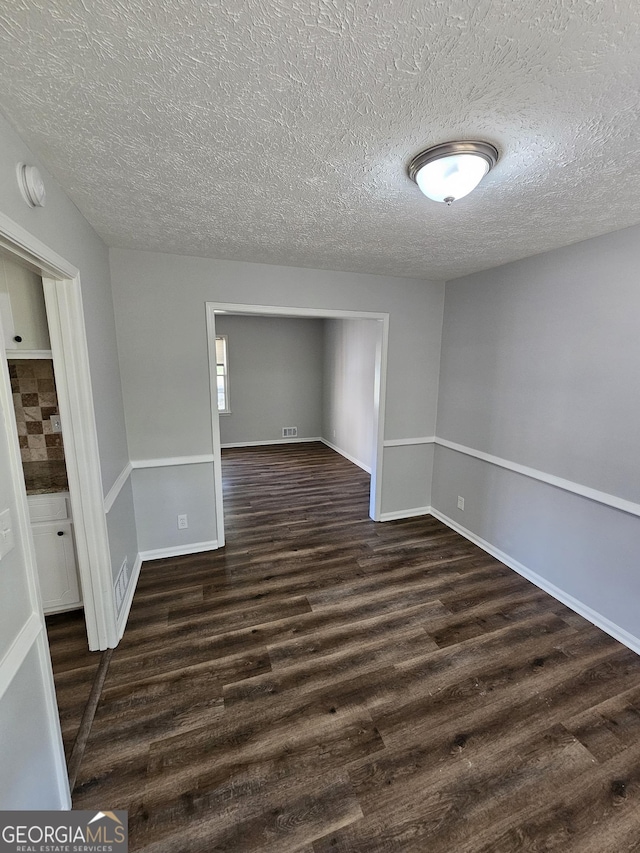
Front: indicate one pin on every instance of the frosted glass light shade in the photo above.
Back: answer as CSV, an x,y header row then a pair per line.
x,y
452,177
451,171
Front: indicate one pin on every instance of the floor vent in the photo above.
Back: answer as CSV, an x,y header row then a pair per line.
x,y
121,583
289,432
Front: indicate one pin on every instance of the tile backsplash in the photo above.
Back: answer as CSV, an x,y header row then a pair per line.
x,y
35,401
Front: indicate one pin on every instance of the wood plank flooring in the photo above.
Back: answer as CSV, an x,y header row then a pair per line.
x,y
326,684
75,669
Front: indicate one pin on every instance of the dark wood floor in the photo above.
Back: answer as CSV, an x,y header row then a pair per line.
x,y
330,685
75,668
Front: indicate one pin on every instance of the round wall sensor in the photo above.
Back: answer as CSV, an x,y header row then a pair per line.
x,y
31,185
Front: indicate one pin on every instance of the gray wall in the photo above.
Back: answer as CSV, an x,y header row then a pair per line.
x,y
349,376
160,315
275,367
539,367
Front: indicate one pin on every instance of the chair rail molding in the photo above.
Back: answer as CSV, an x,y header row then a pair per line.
x,y
551,479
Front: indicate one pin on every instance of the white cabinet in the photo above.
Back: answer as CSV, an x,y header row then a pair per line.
x,y
22,308
55,552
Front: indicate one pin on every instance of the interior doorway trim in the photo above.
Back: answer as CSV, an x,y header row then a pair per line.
x,y
63,300
380,384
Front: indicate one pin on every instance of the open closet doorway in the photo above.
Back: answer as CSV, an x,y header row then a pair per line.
x,y
380,327
39,426
79,515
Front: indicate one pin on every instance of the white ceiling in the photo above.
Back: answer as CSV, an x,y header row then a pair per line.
x,y
279,130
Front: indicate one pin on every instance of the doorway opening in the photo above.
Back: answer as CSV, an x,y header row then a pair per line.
x,y
68,352
215,309
39,426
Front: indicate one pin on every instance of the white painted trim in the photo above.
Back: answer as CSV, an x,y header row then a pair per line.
x,y
180,550
114,491
216,438
170,461
402,442
623,636
346,455
271,441
405,513
67,608
15,655
43,260
17,354
379,412
550,479
128,599
289,311
53,721
65,315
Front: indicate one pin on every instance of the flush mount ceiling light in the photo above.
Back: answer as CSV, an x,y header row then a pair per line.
x,y
450,171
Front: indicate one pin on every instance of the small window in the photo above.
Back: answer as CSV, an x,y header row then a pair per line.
x,y
222,373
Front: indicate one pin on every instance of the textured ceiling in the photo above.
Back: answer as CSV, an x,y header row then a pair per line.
x,y
279,130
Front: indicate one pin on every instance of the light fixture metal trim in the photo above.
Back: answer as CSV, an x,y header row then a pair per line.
x,y
477,148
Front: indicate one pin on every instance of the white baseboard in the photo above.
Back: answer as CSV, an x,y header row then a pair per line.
x,y
179,550
405,513
128,597
623,636
67,608
297,440
346,455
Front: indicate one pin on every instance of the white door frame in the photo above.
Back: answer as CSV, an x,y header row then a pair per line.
x,y
63,300
380,384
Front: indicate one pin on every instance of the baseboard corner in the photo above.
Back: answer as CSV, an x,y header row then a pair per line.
x,y
179,550
346,455
399,514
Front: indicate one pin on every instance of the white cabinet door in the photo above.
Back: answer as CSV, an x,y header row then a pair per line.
x,y
56,559
23,309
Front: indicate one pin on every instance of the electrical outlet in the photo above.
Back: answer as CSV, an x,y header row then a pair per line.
x,y
56,423
460,502
183,522
289,432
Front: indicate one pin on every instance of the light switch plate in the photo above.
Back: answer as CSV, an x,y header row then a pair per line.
x,y
6,533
